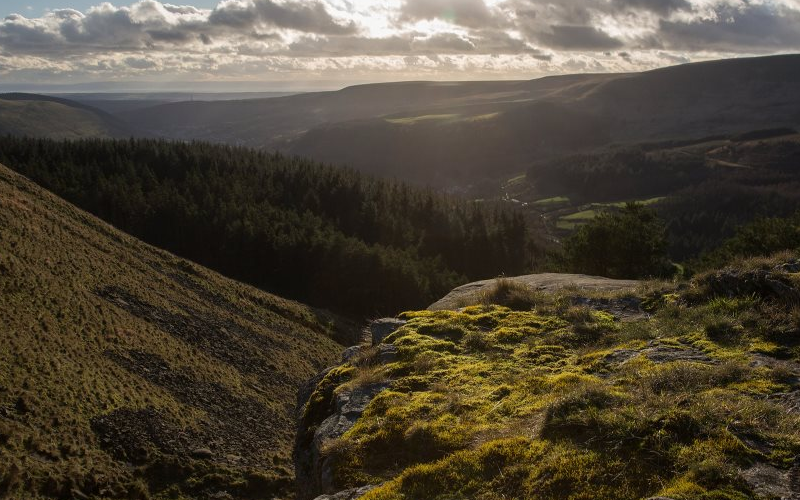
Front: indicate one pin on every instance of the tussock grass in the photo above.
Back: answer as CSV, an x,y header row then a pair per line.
x,y
73,355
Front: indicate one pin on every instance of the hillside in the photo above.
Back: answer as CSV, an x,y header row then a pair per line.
x,y
287,225
704,189
127,372
666,391
41,116
464,131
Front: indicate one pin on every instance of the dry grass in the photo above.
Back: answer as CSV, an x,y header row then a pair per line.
x,y
70,356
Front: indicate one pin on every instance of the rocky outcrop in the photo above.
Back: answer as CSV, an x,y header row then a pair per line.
x,y
547,282
350,405
382,328
342,405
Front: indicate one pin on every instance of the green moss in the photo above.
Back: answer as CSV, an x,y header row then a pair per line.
x,y
528,403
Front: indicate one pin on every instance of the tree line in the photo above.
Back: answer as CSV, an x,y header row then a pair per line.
x,y
327,236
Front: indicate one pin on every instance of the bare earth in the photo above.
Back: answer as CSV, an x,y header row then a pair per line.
x,y
545,281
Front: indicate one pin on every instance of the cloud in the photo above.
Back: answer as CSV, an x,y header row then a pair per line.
x,y
310,17
729,28
663,7
578,38
470,13
254,38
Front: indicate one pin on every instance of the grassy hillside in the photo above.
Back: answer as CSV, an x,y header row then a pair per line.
x,y
686,392
446,132
41,116
126,372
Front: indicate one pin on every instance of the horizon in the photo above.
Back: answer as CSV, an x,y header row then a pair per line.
x,y
255,87
275,45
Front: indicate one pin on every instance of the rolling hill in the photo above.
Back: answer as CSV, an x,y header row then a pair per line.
x,y
127,372
446,132
42,116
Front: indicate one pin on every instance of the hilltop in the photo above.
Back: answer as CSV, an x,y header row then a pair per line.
x,y
42,116
668,391
127,372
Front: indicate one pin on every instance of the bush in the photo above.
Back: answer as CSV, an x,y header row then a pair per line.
x,y
631,243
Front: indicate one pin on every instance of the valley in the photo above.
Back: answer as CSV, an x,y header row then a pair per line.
x,y
566,288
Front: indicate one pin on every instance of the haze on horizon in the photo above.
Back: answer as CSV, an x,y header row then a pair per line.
x,y
284,44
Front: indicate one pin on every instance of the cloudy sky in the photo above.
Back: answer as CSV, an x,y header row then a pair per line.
x,y
278,42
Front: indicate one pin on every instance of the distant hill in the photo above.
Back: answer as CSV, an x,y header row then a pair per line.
x,y
127,372
42,116
445,132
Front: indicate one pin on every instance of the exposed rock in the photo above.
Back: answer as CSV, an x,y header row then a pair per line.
x,y
351,494
620,356
623,308
667,354
381,354
549,282
305,392
313,469
351,352
350,404
659,353
387,353
382,328
792,266
768,481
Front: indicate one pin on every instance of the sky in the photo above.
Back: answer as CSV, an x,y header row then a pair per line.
x,y
269,44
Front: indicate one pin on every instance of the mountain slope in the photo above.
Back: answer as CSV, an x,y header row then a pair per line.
x,y
127,372
42,116
441,132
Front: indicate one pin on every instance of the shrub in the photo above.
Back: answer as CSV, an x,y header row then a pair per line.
x,y
631,243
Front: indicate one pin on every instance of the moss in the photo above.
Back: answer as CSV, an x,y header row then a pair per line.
x,y
528,403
